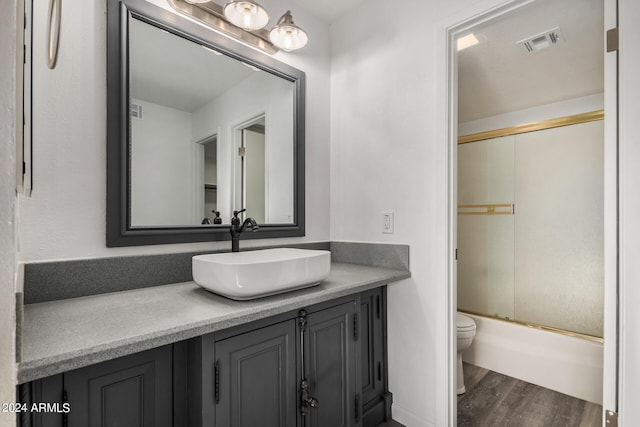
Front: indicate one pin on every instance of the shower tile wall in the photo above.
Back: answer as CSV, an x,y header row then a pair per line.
x,y
543,265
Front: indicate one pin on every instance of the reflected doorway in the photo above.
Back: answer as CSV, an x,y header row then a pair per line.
x,y
210,146
253,169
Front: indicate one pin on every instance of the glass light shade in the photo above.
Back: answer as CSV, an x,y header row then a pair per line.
x,y
287,35
246,14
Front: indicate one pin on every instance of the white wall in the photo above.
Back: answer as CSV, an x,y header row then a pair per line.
x,y
65,217
387,153
163,184
8,83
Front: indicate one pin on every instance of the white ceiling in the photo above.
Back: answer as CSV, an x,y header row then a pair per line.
x,y
495,76
328,10
172,71
498,76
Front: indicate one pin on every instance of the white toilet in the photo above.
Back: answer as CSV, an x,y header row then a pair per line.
x,y
466,330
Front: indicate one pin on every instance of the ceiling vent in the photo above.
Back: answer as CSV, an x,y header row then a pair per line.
x,y
542,41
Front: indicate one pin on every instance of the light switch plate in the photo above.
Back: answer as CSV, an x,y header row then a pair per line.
x,y
387,222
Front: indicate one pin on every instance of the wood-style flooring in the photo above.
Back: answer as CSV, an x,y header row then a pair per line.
x,y
495,400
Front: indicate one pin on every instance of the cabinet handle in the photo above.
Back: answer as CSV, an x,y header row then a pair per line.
x,y
216,381
356,327
306,401
53,32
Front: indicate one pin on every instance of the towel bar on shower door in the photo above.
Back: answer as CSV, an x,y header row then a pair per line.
x,y
489,209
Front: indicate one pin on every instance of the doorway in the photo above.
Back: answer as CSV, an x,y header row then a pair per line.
x,y
253,174
462,28
210,178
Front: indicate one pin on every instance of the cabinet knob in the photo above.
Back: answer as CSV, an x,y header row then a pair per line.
x,y
311,402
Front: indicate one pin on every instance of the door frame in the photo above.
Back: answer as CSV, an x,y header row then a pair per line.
x,y
237,168
611,383
449,31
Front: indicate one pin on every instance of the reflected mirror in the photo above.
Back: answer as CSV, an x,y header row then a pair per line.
x,y
198,126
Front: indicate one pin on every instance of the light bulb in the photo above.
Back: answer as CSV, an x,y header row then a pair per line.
x,y
246,14
287,35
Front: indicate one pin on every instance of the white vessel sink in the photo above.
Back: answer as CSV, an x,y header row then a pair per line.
x,y
254,274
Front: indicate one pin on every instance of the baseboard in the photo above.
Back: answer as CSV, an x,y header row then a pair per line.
x,y
566,364
408,419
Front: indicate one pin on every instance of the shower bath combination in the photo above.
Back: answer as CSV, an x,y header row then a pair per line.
x,y
531,226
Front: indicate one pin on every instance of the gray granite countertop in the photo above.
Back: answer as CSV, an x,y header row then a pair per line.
x,y
58,336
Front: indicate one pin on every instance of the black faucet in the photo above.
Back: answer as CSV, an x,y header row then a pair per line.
x,y
237,228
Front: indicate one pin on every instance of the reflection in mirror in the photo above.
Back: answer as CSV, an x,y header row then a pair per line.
x,y
182,102
209,134
252,170
210,146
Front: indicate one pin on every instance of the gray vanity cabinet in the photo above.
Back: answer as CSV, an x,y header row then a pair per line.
x,y
321,366
375,398
255,378
298,369
131,391
135,390
330,365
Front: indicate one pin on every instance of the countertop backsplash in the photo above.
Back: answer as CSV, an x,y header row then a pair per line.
x,y
57,280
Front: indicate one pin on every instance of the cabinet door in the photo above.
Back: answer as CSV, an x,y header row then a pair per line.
x,y
372,357
46,390
256,378
130,391
331,366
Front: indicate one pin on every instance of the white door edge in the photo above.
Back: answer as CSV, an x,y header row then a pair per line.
x,y
610,374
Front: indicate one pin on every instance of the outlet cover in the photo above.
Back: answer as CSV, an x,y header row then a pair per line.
x,y
387,222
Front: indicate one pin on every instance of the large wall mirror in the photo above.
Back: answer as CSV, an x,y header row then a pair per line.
x,y
198,126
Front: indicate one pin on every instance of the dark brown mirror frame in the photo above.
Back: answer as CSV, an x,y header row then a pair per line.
x,y
119,231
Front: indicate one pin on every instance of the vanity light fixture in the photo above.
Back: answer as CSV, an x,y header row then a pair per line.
x,y
287,35
248,15
246,20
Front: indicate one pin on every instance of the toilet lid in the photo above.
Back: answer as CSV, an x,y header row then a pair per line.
x,y
464,323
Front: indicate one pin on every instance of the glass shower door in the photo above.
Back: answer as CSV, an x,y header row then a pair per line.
x,y
486,227
559,228
531,228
